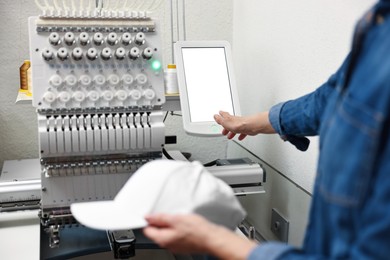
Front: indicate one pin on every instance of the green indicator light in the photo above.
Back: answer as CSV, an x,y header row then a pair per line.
x,y
156,65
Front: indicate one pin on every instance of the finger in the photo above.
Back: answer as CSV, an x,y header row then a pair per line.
x,y
150,232
241,137
224,114
231,135
160,220
225,131
218,119
160,236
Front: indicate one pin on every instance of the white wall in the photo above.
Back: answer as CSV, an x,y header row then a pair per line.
x,y
282,50
18,124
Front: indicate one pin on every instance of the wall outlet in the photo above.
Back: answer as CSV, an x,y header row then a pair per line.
x,y
279,226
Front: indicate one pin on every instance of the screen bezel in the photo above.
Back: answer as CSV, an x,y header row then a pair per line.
x,y
203,128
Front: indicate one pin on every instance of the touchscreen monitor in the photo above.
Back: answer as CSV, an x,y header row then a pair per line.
x,y
206,84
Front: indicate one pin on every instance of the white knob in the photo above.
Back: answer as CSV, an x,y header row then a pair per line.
x,y
49,97
113,80
54,38
93,96
64,97
55,81
85,80
120,53
112,38
99,80
84,38
47,54
106,53
140,38
77,53
108,95
126,38
149,94
62,53
69,38
147,54
134,53
79,96
136,94
127,79
92,54
141,79
98,38
71,80
121,95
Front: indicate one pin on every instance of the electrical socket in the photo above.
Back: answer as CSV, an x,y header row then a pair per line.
x,y
279,226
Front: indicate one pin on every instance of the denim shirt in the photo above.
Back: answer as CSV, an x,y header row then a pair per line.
x,y
350,211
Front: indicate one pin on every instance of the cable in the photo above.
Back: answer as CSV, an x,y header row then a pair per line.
x,y
166,154
124,5
40,6
115,6
48,6
100,5
212,163
151,5
157,5
137,6
131,4
65,6
107,5
177,20
172,36
57,6
184,21
73,5
165,117
90,6
173,114
143,6
81,5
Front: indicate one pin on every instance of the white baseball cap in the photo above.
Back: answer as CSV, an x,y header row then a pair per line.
x,y
163,186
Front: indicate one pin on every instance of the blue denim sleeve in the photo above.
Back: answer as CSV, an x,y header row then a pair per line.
x,y
301,143
270,251
295,119
280,251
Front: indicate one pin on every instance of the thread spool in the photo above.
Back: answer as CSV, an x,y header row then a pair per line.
x,y
24,75
170,76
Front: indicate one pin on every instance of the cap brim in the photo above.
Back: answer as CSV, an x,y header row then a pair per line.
x,y
135,200
107,215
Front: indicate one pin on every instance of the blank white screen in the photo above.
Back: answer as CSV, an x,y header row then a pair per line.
x,y
207,81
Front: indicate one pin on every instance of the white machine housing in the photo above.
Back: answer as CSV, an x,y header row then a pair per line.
x,y
98,87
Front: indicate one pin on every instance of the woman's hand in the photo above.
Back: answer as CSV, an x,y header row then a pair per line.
x,y
192,233
180,233
244,125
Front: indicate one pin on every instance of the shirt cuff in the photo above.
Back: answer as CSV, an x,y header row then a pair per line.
x,y
274,117
269,250
301,143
